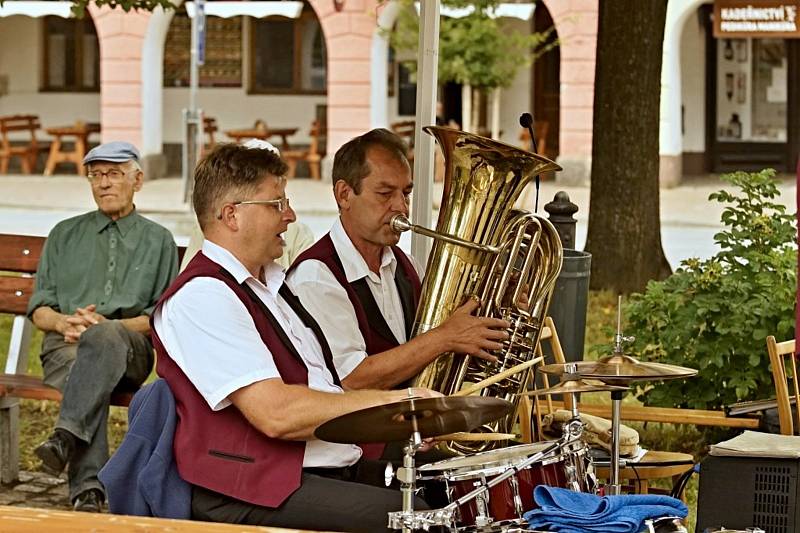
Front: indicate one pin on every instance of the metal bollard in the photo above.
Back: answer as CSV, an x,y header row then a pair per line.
x,y
560,212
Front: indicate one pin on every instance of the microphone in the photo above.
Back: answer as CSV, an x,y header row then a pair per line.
x,y
526,121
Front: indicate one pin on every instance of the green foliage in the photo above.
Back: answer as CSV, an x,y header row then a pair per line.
x,y
475,49
79,6
714,315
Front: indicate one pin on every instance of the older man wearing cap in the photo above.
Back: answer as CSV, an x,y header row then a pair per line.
x,y
98,280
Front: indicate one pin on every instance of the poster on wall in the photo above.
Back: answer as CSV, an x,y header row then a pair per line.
x,y
741,87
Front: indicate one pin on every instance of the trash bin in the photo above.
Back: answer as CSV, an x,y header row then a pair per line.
x,y
568,305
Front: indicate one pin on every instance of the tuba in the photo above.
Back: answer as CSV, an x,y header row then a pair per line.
x,y
484,247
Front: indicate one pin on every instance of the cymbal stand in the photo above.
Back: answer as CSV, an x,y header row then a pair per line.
x,y
614,487
407,475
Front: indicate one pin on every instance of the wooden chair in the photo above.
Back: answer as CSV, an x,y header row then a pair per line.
x,y
778,352
540,129
27,152
210,128
405,130
312,155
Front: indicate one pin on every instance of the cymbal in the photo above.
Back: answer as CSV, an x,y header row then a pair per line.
x,y
619,368
394,421
573,386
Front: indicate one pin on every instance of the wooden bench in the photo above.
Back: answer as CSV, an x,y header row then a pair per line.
x,y
19,257
30,520
28,152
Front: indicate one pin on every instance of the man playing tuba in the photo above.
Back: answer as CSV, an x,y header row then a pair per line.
x,y
363,290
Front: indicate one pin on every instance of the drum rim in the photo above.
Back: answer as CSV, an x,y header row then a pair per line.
x,y
438,470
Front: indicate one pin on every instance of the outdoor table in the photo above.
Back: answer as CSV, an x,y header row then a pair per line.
x,y
80,132
263,134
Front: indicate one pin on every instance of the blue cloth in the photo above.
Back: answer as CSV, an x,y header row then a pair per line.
x,y
568,511
142,479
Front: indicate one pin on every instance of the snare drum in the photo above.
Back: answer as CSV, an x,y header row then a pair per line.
x,y
565,467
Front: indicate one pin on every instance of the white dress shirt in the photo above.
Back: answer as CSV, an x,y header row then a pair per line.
x,y
211,336
327,301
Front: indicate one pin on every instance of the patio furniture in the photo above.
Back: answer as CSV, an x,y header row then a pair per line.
x,y
778,352
263,132
58,154
210,128
311,155
27,152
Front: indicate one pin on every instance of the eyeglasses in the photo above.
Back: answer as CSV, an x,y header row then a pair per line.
x,y
281,204
113,175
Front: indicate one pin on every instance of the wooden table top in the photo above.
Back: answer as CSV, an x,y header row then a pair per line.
x,y
28,519
257,133
86,129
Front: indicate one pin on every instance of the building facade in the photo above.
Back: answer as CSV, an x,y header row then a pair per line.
x,y
727,102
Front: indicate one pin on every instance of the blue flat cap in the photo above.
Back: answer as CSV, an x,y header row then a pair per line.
x,y
113,152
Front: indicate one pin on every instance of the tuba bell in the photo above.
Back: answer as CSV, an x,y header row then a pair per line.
x,y
484,247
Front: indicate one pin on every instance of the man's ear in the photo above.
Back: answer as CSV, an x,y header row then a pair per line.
x,y
343,193
138,180
227,214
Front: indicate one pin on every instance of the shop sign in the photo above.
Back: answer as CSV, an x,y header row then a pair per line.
x,y
757,18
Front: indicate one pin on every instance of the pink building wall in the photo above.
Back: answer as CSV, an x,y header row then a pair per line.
x,y
576,24
121,36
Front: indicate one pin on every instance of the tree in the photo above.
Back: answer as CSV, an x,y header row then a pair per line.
x,y
475,50
624,232
79,6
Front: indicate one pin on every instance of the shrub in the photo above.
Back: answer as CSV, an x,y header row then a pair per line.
x,y
714,315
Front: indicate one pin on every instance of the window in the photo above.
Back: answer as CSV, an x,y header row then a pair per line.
x,y
71,55
288,55
223,61
752,94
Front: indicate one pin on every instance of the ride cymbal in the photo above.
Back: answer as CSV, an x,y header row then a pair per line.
x,y
620,368
574,386
395,421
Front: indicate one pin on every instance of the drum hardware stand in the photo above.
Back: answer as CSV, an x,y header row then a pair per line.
x,y
614,487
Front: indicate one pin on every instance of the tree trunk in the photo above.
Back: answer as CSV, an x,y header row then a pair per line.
x,y
624,234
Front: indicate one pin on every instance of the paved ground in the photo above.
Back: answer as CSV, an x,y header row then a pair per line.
x,y
36,489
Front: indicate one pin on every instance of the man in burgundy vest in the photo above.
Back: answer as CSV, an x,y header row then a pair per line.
x,y
363,290
251,371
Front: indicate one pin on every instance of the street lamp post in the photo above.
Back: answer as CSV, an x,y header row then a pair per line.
x,y
193,117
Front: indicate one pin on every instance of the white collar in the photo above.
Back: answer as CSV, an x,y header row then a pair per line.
x,y
273,272
355,267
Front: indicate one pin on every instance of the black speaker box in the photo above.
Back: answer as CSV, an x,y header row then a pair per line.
x,y
741,492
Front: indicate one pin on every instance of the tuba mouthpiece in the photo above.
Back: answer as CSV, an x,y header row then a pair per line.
x,y
399,223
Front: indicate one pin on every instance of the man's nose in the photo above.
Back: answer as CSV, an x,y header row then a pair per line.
x,y
400,203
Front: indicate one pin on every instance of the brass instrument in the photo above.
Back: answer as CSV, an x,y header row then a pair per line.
x,y
485,247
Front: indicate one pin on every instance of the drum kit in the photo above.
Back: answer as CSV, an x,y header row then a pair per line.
x,y
490,491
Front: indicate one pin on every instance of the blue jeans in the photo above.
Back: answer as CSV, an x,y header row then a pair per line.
x,y
108,357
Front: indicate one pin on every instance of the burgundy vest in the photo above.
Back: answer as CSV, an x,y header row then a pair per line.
x,y
377,335
373,327
221,450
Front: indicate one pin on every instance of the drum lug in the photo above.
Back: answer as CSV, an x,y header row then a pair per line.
x,y
482,518
517,499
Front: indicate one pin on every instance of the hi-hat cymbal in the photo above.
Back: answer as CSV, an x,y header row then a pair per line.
x,y
574,386
620,369
394,421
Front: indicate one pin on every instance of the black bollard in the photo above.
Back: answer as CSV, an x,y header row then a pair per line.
x,y
561,211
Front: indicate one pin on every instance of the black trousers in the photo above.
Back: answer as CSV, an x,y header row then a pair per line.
x,y
328,499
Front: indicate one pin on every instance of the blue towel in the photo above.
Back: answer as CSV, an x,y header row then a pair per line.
x,y
568,511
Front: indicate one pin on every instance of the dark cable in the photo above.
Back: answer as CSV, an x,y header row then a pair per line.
x,y
526,121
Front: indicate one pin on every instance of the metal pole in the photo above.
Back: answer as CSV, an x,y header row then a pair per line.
x,y
424,145
192,117
614,486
